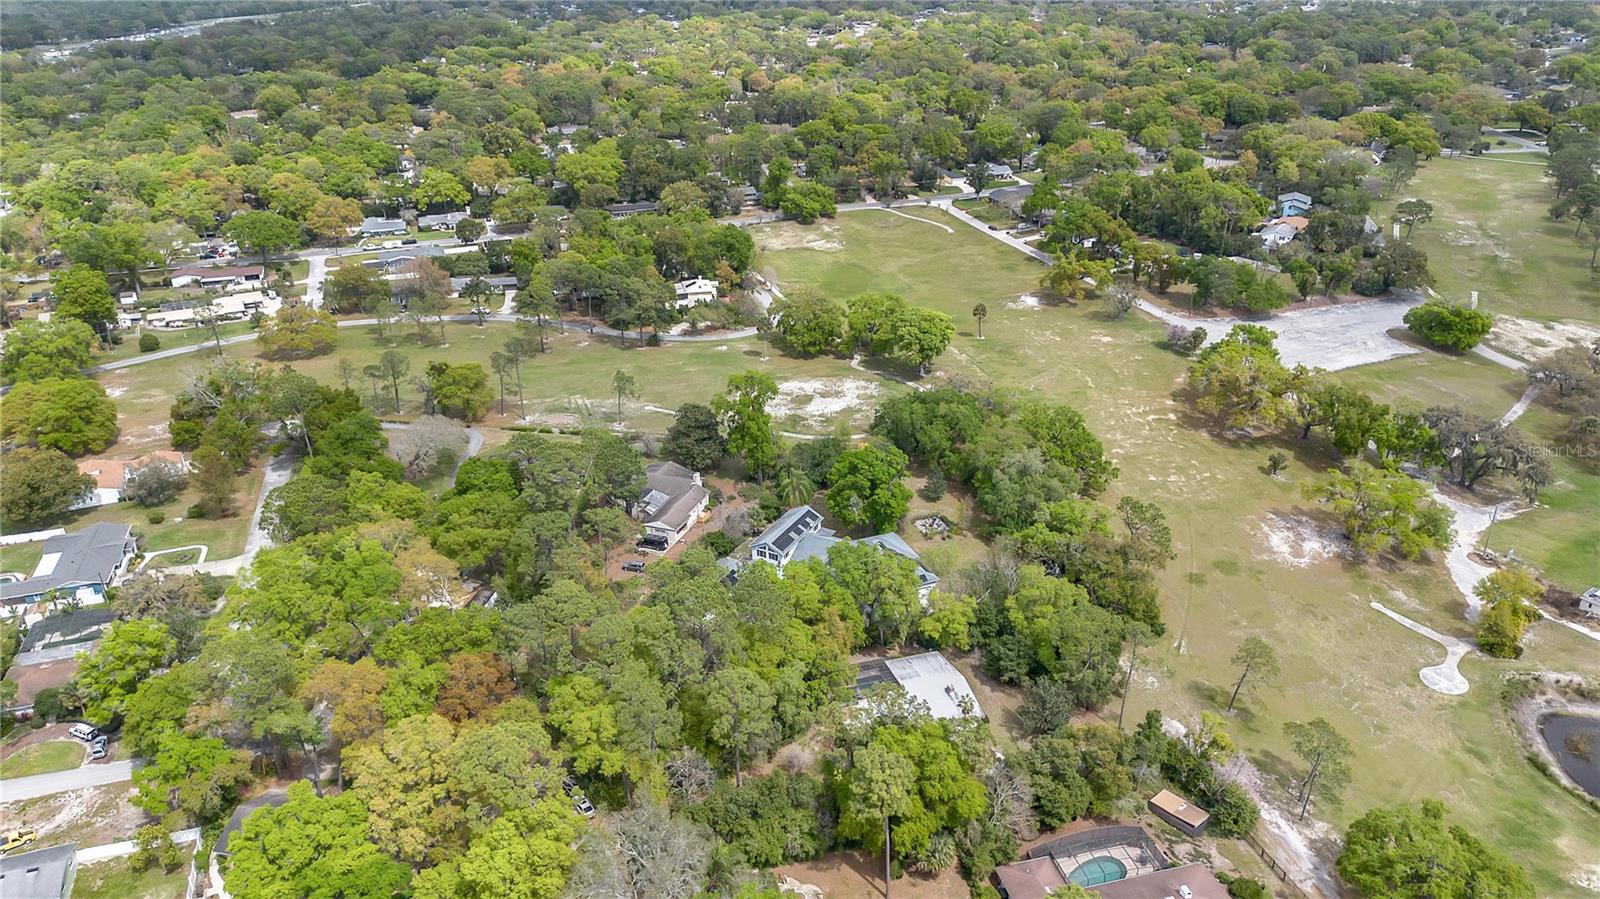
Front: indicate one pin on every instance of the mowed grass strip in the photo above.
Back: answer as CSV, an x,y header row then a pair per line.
x,y
42,758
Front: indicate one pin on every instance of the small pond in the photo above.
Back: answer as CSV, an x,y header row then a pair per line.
x,y
1575,742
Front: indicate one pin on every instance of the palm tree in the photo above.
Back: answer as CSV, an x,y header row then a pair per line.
x,y
794,485
980,312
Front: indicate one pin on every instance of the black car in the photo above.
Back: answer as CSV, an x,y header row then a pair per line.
x,y
652,541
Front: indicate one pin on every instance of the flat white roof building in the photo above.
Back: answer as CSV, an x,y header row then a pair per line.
x,y
929,677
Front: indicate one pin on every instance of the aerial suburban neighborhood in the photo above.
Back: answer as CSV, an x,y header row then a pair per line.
x,y
675,450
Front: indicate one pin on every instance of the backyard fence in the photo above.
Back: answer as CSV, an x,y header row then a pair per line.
x,y
1278,869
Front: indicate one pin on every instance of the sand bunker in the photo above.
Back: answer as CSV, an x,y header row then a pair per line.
x,y
1534,340
820,401
789,236
1299,542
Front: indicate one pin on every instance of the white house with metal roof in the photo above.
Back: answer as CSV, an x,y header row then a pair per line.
x,y
798,535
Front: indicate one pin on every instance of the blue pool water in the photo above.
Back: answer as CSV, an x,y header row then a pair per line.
x,y
1096,871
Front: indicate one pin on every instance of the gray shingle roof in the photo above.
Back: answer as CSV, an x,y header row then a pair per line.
x,y
90,556
40,874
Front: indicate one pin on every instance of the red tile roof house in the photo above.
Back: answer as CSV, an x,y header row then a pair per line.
x,y
111,475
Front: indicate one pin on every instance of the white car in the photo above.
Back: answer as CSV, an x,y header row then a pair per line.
x,y
82,731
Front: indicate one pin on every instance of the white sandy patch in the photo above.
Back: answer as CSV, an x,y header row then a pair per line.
x,y
1299,542
1025,301
790,236
819,401
115,391
1534,340
1587,878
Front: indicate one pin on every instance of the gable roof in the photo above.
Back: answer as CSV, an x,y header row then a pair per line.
x,y
1030,879
88,556
1193,881
790,527
208,272
40,873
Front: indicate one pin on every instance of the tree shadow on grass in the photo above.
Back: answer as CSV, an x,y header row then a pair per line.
x,y
1217,698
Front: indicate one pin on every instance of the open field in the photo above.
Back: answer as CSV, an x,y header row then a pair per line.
x,y
1253,557
1491,233
1434,378
570,385
1562,536
42,758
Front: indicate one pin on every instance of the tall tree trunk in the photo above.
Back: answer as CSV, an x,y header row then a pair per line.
x,y
887,855
1237,687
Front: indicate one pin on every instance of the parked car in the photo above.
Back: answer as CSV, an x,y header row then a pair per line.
x,y
633,565
84,732
410,241
653,542
581,803
97,748
12,840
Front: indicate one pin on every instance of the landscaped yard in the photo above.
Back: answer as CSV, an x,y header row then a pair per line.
x,y
1253,556
129,347
115,879
42,758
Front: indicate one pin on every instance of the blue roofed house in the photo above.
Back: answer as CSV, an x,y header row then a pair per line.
x,y
80,565
1293,203
798,535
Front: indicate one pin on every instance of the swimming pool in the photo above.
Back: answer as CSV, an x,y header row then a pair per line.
x,y
1096,871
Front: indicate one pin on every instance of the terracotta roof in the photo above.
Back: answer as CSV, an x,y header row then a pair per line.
x,y
112,474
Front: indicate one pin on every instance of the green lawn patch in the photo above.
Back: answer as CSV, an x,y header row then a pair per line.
x,y
115,879
1491,232
1434,378
42,758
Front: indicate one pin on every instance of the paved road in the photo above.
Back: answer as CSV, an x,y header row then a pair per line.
x,y
1517,144
18,788
91,854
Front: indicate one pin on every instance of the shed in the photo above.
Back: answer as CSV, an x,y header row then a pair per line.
x,y
1179,812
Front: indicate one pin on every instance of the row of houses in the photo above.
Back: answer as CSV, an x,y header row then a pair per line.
x,y
375,226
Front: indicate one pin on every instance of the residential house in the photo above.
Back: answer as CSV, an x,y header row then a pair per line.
x,y
624,210
999,171
81,564
673,500
188,314
446,221
1293,203
777,543
1179,812
748,195
929,677
40,874
380,227
498,282
32,679
1281,231
1191,881
393,259
111,475
216,277
695,292
1589,602
798,535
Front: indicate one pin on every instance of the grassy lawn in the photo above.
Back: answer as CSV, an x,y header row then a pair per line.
x,y
1562,535
42,758
169,340
224,536
1490,233
22,557
114,879
569,385
1432,378
1242,538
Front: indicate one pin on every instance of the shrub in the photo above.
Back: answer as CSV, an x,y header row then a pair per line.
x,y
719,543
1245,888
198,510
155,516
149,343
1448,325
